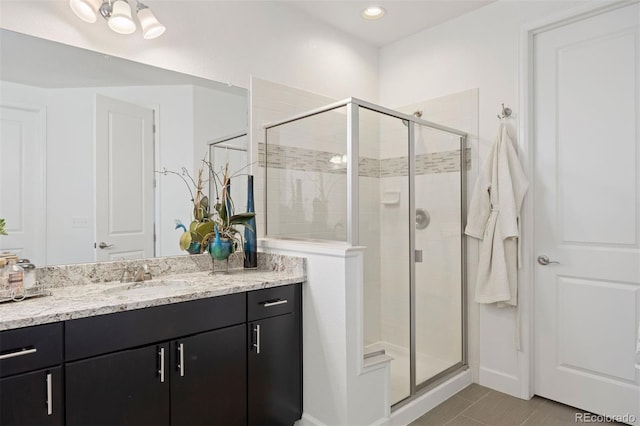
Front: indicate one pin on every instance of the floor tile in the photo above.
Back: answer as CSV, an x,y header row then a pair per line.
x,y
444,412
462,420
499,409
551,413
473,392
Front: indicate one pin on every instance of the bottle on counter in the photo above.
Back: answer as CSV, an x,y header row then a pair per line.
x,y
4,278
29,273
16,280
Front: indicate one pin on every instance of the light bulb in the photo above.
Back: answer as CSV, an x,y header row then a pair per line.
x,y
151,27
373,12
120,20
87,10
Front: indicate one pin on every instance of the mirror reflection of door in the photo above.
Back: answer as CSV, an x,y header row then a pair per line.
x,y
231,149
124,180
22,195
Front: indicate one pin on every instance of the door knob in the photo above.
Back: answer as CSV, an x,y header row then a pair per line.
x,y
104,245
543,259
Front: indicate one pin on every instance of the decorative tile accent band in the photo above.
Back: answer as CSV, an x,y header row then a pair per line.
x,y
310,160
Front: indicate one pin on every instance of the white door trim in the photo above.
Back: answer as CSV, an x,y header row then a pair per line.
x,y
525,146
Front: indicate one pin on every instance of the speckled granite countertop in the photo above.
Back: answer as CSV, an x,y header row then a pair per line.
x,y
85,296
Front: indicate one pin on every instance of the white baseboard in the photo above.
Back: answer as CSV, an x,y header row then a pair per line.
x,y
308,420
499,381
419,406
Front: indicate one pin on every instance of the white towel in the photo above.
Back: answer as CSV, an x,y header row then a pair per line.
x,y
494,216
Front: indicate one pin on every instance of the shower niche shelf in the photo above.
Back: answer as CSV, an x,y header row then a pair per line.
x,y
391,198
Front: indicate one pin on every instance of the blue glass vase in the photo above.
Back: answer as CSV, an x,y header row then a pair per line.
x,y
220,248
250,241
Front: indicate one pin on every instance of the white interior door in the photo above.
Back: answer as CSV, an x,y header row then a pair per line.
x,y
587,212
124,180
22,192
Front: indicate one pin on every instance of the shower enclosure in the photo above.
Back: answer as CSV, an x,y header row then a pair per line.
x,y
356,172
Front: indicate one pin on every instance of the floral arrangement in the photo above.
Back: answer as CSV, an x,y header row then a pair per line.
x,y
207,224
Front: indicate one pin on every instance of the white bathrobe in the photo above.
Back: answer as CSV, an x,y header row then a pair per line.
x,y
494,218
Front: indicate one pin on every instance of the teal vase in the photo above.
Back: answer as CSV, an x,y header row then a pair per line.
x,y
220,248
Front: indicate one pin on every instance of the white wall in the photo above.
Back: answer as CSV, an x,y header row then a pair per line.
x,y
477,50
226,41
337,388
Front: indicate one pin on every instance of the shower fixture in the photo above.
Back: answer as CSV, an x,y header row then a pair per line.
x,y
119,16
417,114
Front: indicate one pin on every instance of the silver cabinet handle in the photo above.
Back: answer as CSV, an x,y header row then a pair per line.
x,y
275,303
257,343
161,371
49,395
543,259
181,353
104,245
21,352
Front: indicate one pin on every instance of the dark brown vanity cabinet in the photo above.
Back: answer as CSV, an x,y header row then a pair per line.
x,y
175,364
122,388
275,356
209,378
227,360
196,380
31,382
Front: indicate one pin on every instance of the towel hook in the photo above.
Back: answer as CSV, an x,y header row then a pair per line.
x,y
506,112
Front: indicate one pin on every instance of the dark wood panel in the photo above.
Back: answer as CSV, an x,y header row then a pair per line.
x,y
212,389
275,374
109,333
45,339
270,302
123,388
23,399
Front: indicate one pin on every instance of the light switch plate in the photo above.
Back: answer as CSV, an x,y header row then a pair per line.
x,y
79,222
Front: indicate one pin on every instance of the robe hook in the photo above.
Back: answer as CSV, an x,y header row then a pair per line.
x,y
506,112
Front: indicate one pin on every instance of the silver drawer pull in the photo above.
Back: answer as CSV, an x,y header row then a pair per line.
x,y
277,302
257,344
161,371
21,352
181,362
49,395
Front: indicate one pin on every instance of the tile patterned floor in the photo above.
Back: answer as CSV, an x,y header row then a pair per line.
x,y
480,406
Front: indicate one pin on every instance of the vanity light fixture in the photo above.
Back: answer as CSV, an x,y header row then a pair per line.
x,y
372,13
119,17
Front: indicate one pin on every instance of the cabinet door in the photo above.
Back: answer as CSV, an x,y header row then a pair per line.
x,y
209,378
124,388
32,398
274,368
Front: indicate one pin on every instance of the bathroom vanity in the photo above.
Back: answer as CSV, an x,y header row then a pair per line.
x,y
184,349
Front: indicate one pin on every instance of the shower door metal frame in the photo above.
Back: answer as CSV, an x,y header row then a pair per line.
x,y
352,106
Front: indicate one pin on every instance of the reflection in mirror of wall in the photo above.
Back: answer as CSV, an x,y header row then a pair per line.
x,y
74,121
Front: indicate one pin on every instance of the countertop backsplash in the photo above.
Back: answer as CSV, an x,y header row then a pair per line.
x,y
91,273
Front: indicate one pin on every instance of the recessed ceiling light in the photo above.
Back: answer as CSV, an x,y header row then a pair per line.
x,y
373,13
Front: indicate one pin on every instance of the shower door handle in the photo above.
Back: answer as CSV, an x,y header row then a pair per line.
x,y
418,256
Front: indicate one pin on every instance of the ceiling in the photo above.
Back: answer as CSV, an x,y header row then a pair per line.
x,y
402,19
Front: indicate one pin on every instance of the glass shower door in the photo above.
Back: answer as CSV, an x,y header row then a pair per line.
x,y
438,242
384,214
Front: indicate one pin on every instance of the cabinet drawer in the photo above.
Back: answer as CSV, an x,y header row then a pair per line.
x,y
271,301
30,348
113,332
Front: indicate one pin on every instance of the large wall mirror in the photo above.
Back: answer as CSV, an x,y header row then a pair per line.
x,y
82,136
